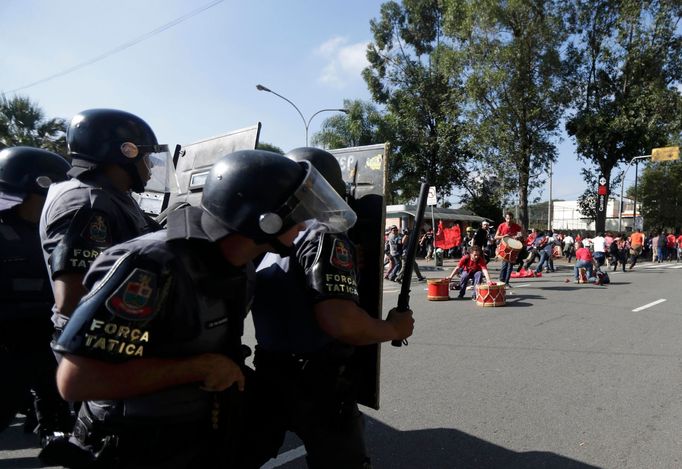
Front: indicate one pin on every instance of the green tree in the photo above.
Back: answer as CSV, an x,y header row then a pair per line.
x,y
23,122
409,75
625,58
511,51
483,196
363,125
659,190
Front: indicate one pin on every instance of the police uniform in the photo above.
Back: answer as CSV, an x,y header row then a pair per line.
x,y
303,382
82,217
25,299
163,295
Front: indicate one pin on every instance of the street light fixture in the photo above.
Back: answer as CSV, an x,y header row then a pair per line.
x,y
306,123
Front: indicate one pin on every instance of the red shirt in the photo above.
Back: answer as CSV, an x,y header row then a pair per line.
x,y
679,241
510,229
583,254
671,241
468,264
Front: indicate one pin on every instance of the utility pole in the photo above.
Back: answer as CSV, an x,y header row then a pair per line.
x,y
549,204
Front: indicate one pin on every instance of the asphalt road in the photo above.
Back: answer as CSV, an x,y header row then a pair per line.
x,y
564,376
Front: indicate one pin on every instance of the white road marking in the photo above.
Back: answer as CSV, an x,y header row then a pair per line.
x,y
648,305
284,458
391,291
676,267
522,285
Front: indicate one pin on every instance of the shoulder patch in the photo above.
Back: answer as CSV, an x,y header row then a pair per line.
x,y
136,299
96,230
341,256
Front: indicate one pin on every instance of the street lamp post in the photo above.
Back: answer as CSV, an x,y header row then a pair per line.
x,y
622,186
306,123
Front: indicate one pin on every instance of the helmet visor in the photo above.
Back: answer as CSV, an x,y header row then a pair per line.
x,y
316,199
158,160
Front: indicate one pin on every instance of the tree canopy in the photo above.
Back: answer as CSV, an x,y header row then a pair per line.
x,y
482,87
624,61
512,77
23,123
362,125
409,74
660,192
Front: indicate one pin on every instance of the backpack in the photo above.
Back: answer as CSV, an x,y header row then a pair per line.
x,y
603,278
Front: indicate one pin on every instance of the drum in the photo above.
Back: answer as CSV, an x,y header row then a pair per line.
x,y
509,249
438,289
490,295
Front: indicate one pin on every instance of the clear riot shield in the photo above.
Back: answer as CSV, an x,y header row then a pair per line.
x,y
364,171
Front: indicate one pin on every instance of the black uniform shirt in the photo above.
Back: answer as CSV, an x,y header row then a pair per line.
x,y
321,267
162,295
82,218
25,292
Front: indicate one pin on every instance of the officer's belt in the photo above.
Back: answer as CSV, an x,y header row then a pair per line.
x,y
139,438
302,362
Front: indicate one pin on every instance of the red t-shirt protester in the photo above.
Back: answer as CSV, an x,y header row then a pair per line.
x,y
508,229
583,254
671,241
471,265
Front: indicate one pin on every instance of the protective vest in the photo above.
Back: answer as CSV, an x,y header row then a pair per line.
x,y
25,292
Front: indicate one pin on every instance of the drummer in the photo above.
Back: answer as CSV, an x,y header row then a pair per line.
x,y
512,230
470,267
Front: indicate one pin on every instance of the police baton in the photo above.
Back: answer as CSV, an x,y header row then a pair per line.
x,y
404,297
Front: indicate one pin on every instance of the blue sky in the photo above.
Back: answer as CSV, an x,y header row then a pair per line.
x,y
198,79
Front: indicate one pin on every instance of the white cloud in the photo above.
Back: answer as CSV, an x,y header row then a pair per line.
x,y
344,61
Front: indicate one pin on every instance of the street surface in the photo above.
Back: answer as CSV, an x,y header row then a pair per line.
x,y
565,376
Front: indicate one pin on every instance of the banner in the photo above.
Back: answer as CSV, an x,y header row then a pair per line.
x,y
447,238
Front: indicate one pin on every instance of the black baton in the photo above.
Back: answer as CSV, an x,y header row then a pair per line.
x,y
404,297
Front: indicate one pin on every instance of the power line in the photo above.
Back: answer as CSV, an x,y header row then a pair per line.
x,y
121,47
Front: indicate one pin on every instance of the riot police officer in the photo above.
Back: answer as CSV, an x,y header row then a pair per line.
x,y
157,340
308,321
25,294
111,153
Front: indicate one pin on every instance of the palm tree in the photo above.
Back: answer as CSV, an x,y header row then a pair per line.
x,y
23,122
362,125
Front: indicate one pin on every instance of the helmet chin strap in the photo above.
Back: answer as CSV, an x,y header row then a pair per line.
x,y
137,185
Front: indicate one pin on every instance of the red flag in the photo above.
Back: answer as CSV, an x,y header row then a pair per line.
x,y
447,238
439,239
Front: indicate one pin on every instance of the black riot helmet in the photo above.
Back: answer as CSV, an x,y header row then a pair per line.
x,y
109,136
27,170
261,195
324,162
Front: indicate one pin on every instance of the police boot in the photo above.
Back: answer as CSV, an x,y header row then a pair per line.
x,y
59,451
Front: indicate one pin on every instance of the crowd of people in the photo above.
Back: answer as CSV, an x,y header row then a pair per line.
x,y
540,249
